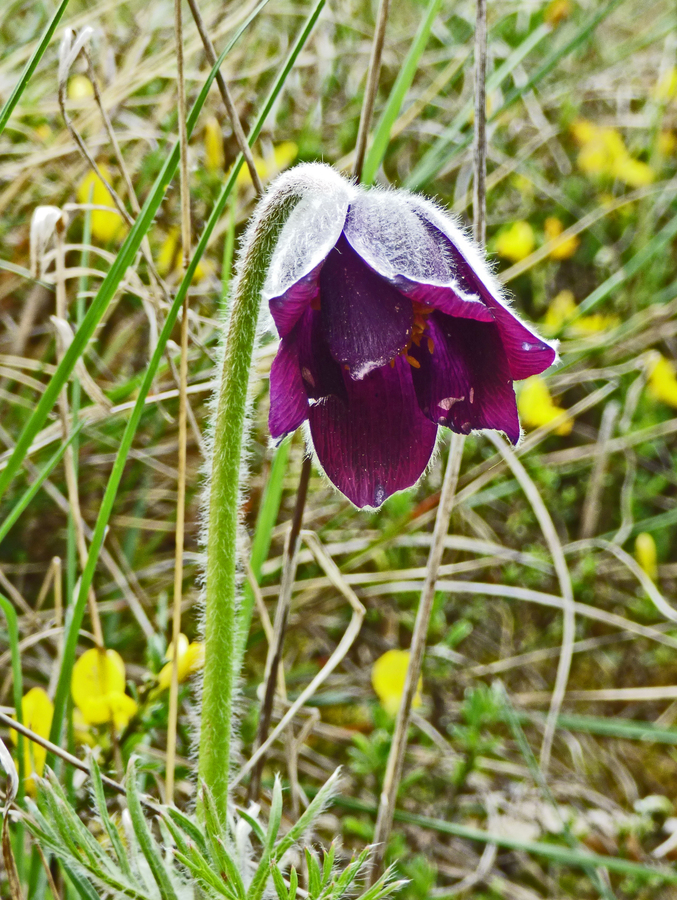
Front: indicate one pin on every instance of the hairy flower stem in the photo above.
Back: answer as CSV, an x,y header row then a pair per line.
x,y
391,782
228,450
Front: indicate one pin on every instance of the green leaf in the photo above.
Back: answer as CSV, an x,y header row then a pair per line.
x,y
35,486
108,824
189,828
402,84
278,881
309,815
218,851
17,682
146,841
314,877
262,872
31,66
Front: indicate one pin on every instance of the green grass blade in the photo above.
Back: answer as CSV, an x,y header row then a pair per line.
x,y
657,243
404,81
32,490
628,729
441,151
31,66
265,522
559,53
564,856
106,506
439,154
17,681
111,282
147,843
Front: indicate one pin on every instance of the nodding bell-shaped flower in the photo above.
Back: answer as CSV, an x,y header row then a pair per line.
x,y
391,324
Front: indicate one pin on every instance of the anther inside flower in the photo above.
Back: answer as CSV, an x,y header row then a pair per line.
x,y
391,325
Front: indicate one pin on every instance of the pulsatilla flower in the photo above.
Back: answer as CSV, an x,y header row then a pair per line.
x,y
391,325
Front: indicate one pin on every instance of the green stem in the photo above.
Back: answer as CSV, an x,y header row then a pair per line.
x,y
228,450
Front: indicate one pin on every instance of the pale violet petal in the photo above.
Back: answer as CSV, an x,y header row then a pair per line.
x,y
389,236
313,227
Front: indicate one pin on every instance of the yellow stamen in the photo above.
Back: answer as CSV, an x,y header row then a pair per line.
x,y
431,346
413,362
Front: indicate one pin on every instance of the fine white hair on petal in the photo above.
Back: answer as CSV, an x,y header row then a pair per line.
x,y
389,236
451,227
313,227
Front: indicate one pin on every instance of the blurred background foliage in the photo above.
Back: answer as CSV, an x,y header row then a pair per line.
x,y
582,219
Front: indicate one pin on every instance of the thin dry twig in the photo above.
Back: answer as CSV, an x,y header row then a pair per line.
x,y
592,507
391,781
371,88
564,578
226,96
69,456
280,625
480,136
330,569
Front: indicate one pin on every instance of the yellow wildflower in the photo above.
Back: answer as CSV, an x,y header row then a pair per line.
x,y
79,87
516,242
662,381
603,152
667,142
666,86
524,185
602,148
37,711
81,730
105,225
564,249
633,172
169,258
537,408
556,11
191,659
645,554
388,676
214,156
593,324
98,688
583,130
563,308
282,157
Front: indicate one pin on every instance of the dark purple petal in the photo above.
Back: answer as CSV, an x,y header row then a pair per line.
x,y
379,442
465,383
288,399
448,301
321,374
527,353
288,308
366,321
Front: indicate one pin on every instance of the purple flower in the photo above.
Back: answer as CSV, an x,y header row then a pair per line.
x,y
391,324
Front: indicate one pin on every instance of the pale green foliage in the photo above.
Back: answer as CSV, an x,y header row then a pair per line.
x,y
236,859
